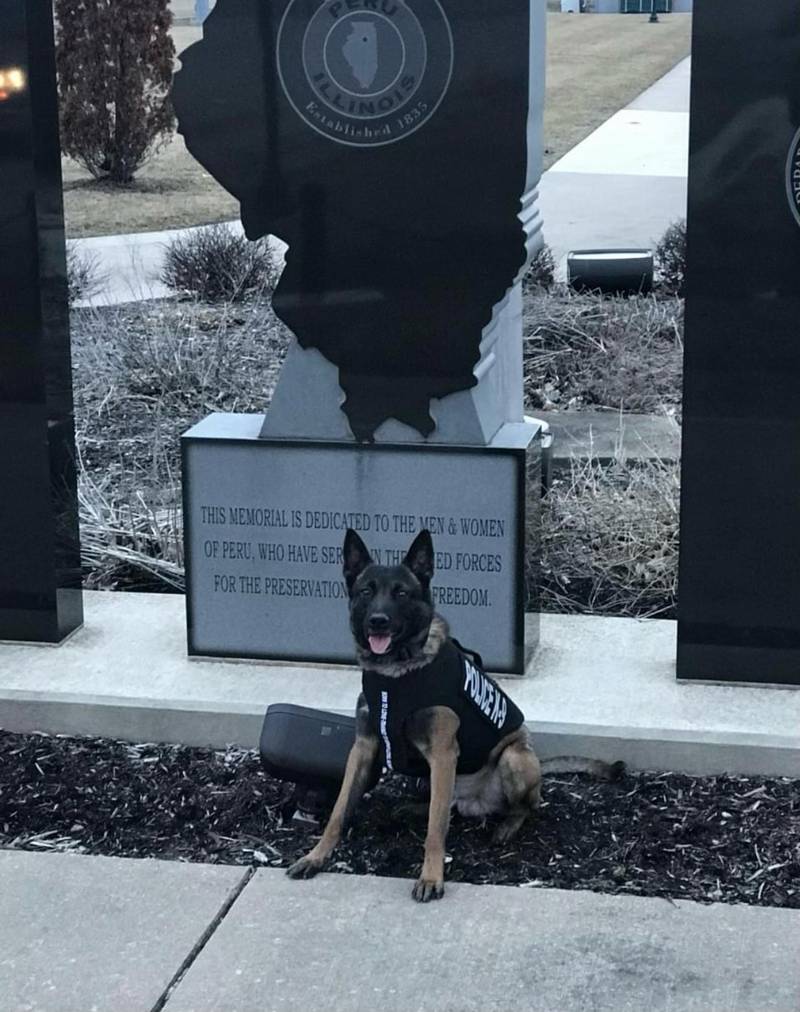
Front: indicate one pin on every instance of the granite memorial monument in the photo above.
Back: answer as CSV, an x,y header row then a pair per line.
x,y
395,145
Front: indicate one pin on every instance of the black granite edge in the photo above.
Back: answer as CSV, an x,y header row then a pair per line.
x,y
723,663
41,581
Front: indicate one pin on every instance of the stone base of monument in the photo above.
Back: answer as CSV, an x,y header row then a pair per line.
x,y
468,416
264,523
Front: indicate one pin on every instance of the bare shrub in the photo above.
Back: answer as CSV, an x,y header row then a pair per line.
x,y
670,260
145,372
624,353
540,275
114,63
216,264
85,276
127,542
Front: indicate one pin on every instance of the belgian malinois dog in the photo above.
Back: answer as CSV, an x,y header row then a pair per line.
x,y
428,709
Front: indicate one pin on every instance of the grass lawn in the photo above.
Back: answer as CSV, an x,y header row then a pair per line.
x,y
595,65
598,63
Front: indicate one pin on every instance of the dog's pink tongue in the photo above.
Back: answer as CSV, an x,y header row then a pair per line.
x,y
380,644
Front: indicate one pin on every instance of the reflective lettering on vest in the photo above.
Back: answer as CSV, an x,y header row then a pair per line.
x,y
469,679
499,711
489,699
384,731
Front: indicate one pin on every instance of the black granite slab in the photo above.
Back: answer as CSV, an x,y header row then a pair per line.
x,y
40,597
739,613
386,142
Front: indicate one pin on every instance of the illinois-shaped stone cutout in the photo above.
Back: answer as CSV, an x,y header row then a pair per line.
x,y
386,142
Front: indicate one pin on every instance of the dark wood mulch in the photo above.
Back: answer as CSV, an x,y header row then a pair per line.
x,y
730,839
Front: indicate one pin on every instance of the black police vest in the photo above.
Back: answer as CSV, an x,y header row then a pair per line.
x,y
454,679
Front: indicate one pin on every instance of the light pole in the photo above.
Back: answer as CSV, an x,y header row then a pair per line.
x,y
653,14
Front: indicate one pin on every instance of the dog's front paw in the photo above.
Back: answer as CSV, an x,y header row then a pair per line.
x,y
306,867
426,889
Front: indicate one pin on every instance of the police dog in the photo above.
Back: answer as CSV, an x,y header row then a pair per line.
x,y
426,703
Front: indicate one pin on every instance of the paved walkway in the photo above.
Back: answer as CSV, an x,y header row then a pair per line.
x,y
609,435
626,182
621,186
113,935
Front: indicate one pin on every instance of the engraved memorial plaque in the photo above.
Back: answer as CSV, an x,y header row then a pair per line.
x,y
264,546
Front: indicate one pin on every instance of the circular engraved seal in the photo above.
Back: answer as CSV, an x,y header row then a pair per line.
x,y
365,72
793,177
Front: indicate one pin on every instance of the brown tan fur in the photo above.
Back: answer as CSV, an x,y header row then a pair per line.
x,y
356,777
510,782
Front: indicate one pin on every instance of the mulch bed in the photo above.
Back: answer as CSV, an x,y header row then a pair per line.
x,y
729,839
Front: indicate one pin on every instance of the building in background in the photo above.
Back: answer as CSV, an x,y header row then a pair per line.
x,y
626,6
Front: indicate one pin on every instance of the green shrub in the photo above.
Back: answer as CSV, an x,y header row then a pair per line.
x,y
216,264
114,63
670,260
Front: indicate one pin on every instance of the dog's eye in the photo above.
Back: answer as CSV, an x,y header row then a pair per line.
x,y
366,592
401,593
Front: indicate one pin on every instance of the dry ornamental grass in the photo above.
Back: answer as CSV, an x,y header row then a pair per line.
x,y
610,540
146,372
617,352
609,535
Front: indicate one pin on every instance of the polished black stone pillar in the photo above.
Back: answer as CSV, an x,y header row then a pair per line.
x,y
40,596
739,613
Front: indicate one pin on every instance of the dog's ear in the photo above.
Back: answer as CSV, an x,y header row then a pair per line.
x,y
419,558
356,557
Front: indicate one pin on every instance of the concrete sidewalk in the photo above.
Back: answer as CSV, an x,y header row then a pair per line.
x,y
115,935
621,186
626,182
610,435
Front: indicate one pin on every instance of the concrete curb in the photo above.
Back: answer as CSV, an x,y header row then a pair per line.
x,y
598,687
218,725
699,753
179,722
602,687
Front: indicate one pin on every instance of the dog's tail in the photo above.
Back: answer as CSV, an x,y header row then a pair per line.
x,y
578,764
